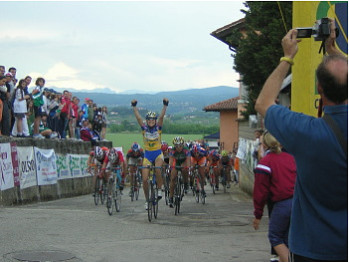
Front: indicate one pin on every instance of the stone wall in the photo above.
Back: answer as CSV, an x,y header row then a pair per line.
x,y
64,188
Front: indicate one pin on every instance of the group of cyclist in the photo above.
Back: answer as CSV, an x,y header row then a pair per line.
x,y
181,156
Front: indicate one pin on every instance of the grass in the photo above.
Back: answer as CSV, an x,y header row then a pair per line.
x,y
125,140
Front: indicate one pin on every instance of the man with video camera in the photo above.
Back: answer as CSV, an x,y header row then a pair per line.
x,y
319,220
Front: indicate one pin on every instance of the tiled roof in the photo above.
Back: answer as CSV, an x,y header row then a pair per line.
x,y
229,104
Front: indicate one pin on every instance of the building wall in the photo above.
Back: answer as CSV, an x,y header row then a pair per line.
x,y
229,130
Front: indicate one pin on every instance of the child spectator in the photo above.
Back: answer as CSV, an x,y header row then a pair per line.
x,y
38,103
20,107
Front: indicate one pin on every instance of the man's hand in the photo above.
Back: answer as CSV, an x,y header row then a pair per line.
x,y
330,45
134,102
289,44
256,223
165,101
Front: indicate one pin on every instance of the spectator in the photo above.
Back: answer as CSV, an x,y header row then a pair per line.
x,y
91,109
65,113
86,133
20,107
105,122
74,116
2,70
2,99
38,103
44,131
275,176
79,124
84,108
6,110
319,220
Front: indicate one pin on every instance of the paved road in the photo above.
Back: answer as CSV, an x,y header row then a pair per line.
x,y
76,230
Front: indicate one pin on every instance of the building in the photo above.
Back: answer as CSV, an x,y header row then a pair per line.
x,y
228,126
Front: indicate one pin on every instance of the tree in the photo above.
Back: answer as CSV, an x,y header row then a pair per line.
x,y
258,51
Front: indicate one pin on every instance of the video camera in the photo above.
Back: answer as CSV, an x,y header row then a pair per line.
x,y
321,30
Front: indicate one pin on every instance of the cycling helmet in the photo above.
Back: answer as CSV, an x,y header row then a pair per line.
x,y
214,153
224,153
164,146
135,147
151,115
99,153
113,155
195,149
178,140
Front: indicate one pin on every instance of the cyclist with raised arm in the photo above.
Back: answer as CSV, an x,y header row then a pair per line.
x,y
179,157
134,158
213,159
198,157
114,159
226,162
151,131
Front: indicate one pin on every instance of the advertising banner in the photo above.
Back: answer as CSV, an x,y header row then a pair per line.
x,y
63,170
6,169
27,169
304,95
14,157
83,165
46,167
74,165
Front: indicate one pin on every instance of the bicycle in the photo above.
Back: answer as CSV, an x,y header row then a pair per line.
x,y
152,192
166,178
100,187
224,178
212,178
178,190
115,197
198,193
134,193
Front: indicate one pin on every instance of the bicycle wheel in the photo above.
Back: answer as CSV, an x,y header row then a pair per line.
x,y
102,194
155,202
96,195
197,191
150,201
132,193
224,182
117,200
202,198
110,206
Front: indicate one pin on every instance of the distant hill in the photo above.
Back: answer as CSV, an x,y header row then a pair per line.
x,y
189,100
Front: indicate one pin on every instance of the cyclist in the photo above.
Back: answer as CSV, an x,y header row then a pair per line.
x,y
151,131
99,155
114,158
165,151
228,162
213,161
134,158
198,157
179,156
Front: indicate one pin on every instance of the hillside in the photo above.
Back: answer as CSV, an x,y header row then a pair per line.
x,y
184,101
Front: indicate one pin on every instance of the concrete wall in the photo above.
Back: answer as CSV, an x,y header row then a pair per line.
x,y
63,188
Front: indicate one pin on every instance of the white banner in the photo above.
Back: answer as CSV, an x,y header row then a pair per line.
x,y
27,170
63,170
46,167
6,169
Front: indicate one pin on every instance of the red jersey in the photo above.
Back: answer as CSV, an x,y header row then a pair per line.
x,y
275,176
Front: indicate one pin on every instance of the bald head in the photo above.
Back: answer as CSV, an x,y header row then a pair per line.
x,y
332,76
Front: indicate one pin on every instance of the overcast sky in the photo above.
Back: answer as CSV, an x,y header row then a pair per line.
x,y
127,45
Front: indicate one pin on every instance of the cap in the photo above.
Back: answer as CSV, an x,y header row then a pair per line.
x,y
87,99
8,74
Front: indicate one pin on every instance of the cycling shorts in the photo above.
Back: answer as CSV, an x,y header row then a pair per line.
x,y
177,163
151,156
200,162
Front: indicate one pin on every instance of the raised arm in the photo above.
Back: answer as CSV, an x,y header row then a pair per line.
x,y
136,112
163,111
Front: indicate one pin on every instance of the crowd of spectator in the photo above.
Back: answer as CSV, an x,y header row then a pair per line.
x,y
46,113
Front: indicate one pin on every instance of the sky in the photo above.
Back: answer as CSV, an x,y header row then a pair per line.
x,y
152,46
